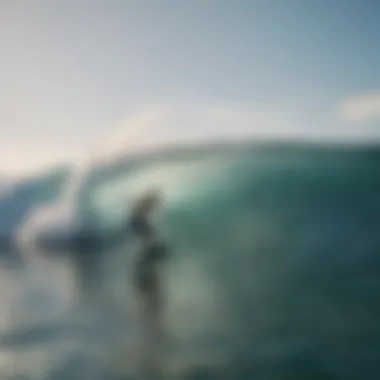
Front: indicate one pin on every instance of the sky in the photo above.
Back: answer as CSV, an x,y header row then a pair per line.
x,y
100,75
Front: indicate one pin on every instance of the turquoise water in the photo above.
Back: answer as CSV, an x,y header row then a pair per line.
x,y
274,271
292,247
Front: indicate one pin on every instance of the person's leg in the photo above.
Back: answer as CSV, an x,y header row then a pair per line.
x,y
150,302
146,346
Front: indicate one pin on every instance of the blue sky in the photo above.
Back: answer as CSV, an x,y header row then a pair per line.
x,y
75,74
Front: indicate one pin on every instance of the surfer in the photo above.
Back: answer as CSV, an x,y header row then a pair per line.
x,y
150,252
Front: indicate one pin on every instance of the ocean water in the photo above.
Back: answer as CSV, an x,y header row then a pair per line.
x,y
273,274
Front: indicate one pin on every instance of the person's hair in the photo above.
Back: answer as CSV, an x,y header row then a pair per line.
x,y
147,201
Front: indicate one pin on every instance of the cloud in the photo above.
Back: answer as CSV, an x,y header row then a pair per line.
x,y
361,108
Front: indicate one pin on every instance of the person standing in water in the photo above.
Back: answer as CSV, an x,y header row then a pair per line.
x,y
150,252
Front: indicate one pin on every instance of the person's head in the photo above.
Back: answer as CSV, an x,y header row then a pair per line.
x,y
148,202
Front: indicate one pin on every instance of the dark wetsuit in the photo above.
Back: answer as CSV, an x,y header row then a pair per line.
x,y
145,276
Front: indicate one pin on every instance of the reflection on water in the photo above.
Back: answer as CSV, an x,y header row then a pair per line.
x,y
275,276
42,324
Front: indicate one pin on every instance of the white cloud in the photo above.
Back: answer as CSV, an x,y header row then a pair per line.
x,y
361,108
